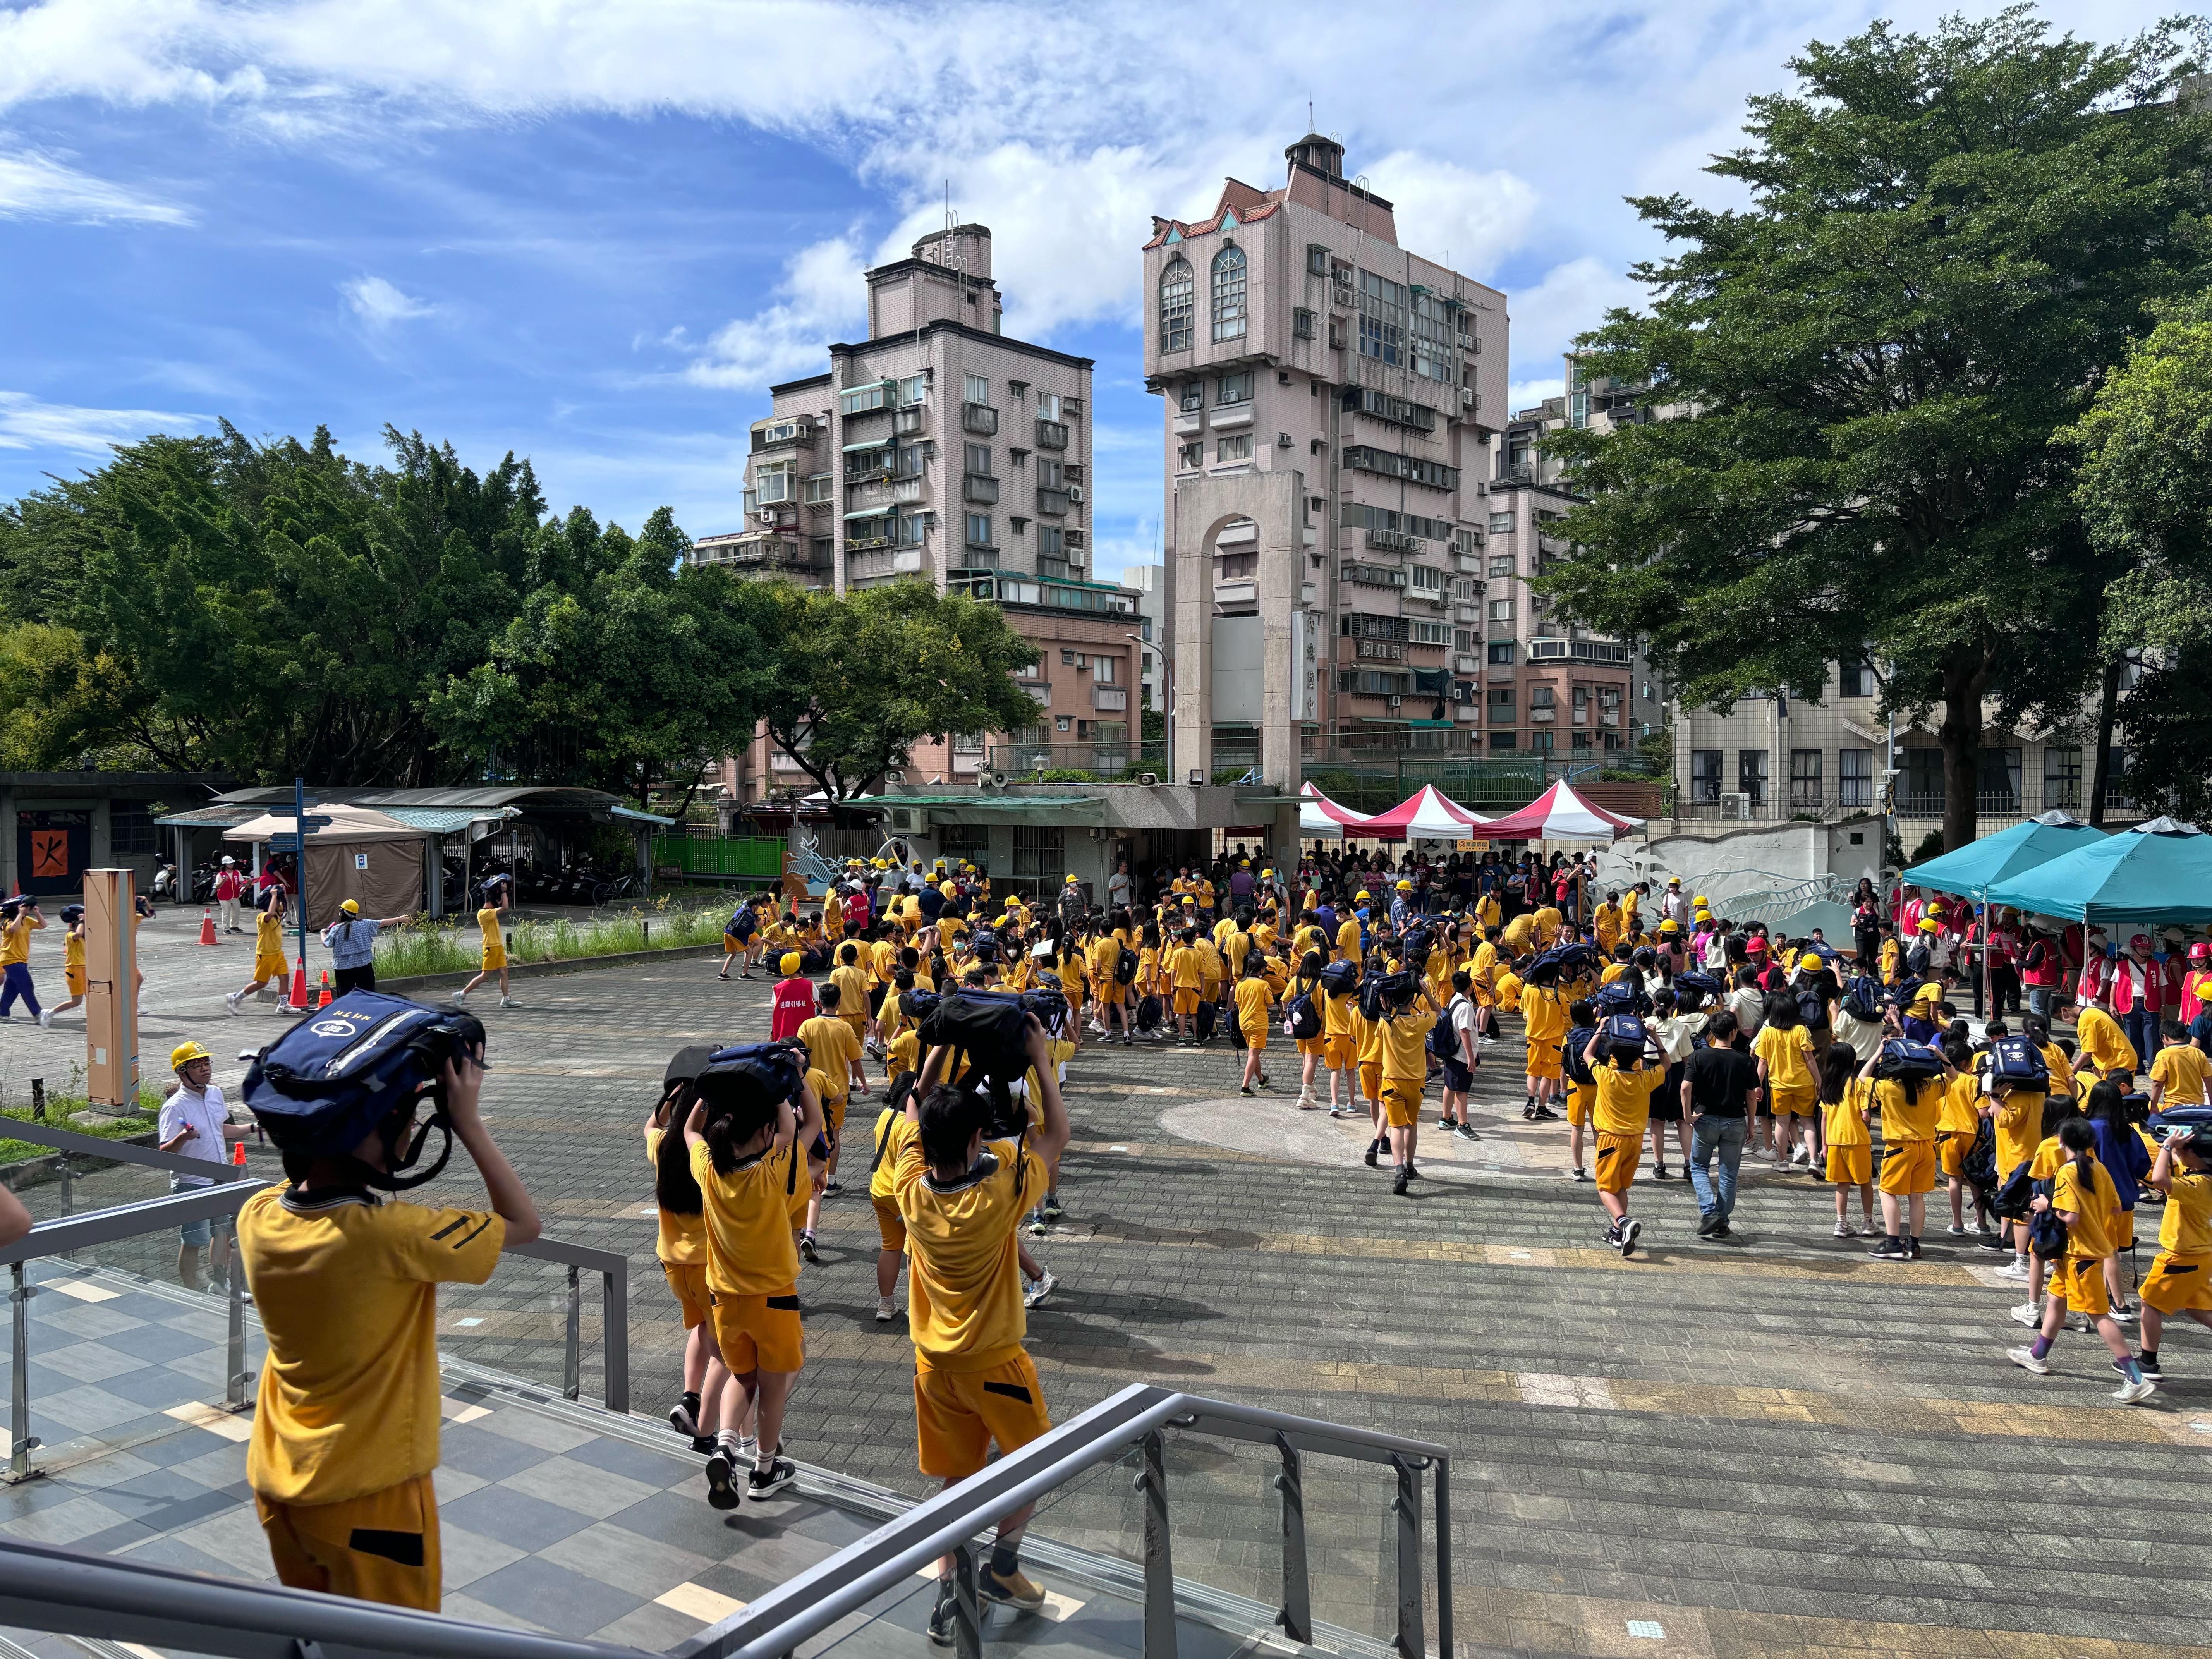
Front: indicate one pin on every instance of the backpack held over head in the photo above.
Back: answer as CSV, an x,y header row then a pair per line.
x,y
1904,1061
775,1071
1623,995
1862,998
1339,977
2015,1063
1703,985
1623,1038
351,1070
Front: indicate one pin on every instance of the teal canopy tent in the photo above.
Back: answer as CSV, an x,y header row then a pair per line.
x,y
2159,872
2010,852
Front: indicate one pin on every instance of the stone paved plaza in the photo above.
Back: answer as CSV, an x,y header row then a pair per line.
x,y
1768,1447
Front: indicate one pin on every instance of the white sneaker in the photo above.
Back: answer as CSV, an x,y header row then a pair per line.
x,y
2029,1314
2135,1393
45,1018
231,1002
460,998
2017,1270
2126,1314
886,1310
1037,1289
1845,1230
2025,1359
507,1002
1955,1231
2075,1321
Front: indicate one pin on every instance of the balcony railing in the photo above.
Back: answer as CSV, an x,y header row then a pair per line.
x,y
1111,759
766,553
1110,699
980,488
1052,435
1052,503
980,419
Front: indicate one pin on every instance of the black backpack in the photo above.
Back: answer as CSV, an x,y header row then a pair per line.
x,y
1862,998
1444,1036
1302,1020
1125,965
2011,1200
1623,995
1340,976
1577,1067
1904,1061
1979,1167
771,1071
1624,1038
1813,1007
2016,1063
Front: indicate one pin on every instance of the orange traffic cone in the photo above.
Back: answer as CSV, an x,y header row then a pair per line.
x,y
238,1157
323,1001
299,1000
207,926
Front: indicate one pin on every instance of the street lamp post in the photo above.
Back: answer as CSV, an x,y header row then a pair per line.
x,y
1167,663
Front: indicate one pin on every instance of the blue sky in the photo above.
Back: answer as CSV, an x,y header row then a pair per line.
x,y
593,233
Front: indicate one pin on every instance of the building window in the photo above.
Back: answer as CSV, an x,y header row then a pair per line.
x,y
130,830
979,530
1501,564
1855,777
1542,696
1236,446
1040,853
979,389
1382,320
1804,777
1104,671
1228,294
1501,610
1051,541
979,459
1316,259
1706,776
1177,305
1429,633
1998,782
1301,323
1193,396
1501,653
1505,740
1501,705
1751,775
1189,457
1922,781
1051,474
2062,778
1427,580
1234,388
1540,742
1854,679
1501,524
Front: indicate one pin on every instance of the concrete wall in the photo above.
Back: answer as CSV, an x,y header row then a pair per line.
x,y
1753,859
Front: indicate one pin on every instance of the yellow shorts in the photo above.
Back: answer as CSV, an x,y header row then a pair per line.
x,y
833,1113
1909,1167
1401,1103
957,1414
2123,1231
1793,1099
1850,1166
382,1547
1371,1079
859,1022
2177,1284
1312,1045
687,1282
266,968
891,1225
492,957
1543,1059
1339,1053
759,1333
1256,1036
1951,1151
732,944
2081,1280
1186,1002
1582,1098
74,978
1618,1159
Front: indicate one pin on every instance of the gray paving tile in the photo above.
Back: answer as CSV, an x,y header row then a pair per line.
x,y
85,1408
63,1522
579,1486
86,1361
554,1597
654,1469
515,1518
465,1446
627,1559
468,1556
681,1520
652,1627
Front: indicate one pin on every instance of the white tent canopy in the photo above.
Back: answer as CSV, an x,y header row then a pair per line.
x,y
1322,818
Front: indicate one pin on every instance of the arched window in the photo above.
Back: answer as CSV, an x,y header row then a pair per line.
x,y
1228,294
1178,300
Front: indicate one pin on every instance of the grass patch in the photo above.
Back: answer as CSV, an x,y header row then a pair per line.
x,y
424,947
65,1114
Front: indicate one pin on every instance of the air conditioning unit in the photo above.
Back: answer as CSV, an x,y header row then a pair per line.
x,y
1075,493
1397,702
1735,808
908,820
1466,397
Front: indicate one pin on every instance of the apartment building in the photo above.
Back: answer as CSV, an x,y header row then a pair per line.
x,y
1330,404
939,448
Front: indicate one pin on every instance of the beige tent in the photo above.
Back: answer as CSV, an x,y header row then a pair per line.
x,y
361,854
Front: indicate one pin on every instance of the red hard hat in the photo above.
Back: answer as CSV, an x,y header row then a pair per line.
x,y
2200,952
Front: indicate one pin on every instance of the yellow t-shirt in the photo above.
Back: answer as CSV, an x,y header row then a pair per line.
x,y
852,983
1338,1012
1520,936
893,1131
1904,1118
1185,968
1405,1039
2048,1155
1253,1001
2019,1123
2180,1069
831,1047
963,1274
269,933
1843,1122
348,1397
683,1239
1788,1054
750,1248
1544,1009
2103,1042
1960,1113
487,924
1347,938
1209,958
73,949
2186,1227
1368,1034
1624,1098
2094,1201
15,938
904,1052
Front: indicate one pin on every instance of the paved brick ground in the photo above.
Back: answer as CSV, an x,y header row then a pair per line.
x,y
1772,1447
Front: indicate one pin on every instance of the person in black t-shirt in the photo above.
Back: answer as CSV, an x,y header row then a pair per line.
x,y
1718,1087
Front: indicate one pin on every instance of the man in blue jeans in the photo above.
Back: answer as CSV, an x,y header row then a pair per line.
x,y
1719,1089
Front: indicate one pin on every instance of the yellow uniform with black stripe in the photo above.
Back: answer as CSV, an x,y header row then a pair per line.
x,y
1908,1135
681,1247
1254,1003
832,1044
752,1260
1544,1010
1339,1039
492,954
2180,1276
1367,1038
1957,1119
345,1425
973,1384
1622,1117
1405,1065
73,962
268,946
1843,1127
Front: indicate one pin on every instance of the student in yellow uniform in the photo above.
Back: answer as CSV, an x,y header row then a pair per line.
x,y
2177,1076
344,1281
1605,923
1185,970
1626,1072
1784,1048
2180,1277
834,1050
1256,1006
1313,1051
1112,995
492,955
2085,1199
1341,1047
961,1202
2104,1046
852,982
1957,1120
1367,1039
1404,1037
72,920
1347,936
746,1154
20,918
1910,1107
894,1129
681,1244
1544,1008
1844,1098
269,967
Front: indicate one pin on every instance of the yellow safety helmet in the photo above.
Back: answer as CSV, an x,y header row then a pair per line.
x,y
352,907
790,964
1267,875
1929,924
185,1053
1363,896
1809,962
1405,886
1071,879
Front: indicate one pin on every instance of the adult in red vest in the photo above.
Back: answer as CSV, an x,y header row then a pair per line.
x,y
794,1004
2199,973
2143,991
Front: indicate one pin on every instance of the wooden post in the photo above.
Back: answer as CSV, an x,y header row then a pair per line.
x,y
111,1011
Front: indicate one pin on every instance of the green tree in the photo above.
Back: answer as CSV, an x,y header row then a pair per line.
x,y
861,677
1947,237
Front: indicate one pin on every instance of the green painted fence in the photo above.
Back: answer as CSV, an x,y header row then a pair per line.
x,y
720,857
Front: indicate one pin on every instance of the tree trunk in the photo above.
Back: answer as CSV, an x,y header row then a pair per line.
x,y
2108,702
1961,737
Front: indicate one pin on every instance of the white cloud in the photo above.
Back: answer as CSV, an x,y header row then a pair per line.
x,y
1472,220
1527,394
381,305
822,294
33,185
29,422
1572,299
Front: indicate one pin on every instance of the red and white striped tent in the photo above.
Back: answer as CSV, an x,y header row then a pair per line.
x,y
1559,814
1320,817
1428,815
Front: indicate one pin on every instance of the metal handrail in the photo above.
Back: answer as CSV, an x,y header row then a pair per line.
x,y
613,1268
74,1142
948,1524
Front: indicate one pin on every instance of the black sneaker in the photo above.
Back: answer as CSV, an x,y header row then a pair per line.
x,y
684,1417
1631,1230
1707,1226
1050,1209
944,1618
831,1188
806,1247
1722,1231
1466,1131
721,1479
1398,1182
766,1483
1913,1245
1892,1248
1659,1173
703,1442
1373,1151
1545,1113
2151,1369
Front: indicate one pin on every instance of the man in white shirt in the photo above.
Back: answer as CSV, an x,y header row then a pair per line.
x,y
1673,906
1119,889
195,1122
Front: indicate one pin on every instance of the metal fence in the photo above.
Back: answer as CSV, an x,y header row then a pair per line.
x,y
718,858
1103,760
1700,802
